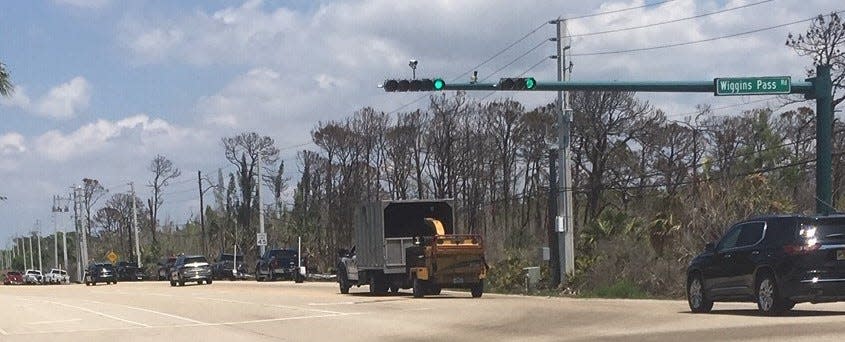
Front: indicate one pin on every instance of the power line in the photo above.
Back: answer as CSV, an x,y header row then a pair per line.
x,y
619,10
630,28
656,47
675,115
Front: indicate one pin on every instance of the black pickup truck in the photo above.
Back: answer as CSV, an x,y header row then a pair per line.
x,y
224,267
279,263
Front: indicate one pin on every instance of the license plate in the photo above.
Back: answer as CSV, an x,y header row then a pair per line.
x,y
458,280
840,254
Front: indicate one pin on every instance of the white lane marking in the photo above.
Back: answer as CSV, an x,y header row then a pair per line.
x,y
3,332
57,321
99,313
151,311
271,305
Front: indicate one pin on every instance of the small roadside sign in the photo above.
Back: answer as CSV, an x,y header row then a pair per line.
x,y
112,256
261,239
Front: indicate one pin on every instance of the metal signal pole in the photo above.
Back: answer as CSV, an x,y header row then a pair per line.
x,y
135,224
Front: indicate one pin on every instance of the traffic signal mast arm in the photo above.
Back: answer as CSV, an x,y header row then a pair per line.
x,y
643,86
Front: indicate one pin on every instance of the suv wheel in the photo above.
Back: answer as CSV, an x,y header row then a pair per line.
x,y
768,297
172,283
698,301
343,280
208,281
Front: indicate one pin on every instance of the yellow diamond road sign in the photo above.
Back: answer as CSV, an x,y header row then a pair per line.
x,y
111,256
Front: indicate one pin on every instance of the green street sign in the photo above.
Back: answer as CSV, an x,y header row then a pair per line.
x,y
753,85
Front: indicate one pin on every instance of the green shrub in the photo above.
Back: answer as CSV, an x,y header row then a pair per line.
x,y
621,289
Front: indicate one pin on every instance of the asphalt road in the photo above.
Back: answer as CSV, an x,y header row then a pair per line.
x,y
284,311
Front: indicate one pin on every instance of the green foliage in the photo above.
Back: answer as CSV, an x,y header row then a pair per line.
x,y
621,289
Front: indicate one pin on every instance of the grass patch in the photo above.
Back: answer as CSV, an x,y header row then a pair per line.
x,y
620,289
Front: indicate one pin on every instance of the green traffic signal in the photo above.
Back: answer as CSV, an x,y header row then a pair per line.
x,y
439,84
530,83
425,84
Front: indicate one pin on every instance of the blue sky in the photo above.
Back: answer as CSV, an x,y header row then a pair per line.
x,y
103,86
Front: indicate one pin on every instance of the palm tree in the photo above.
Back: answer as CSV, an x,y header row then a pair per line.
x,y
6,87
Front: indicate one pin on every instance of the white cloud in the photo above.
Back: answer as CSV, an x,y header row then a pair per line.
x,y
63,101
12,143
131,134
12,146
91,4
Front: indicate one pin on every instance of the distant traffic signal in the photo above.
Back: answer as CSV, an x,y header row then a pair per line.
x,y
517,83
413,85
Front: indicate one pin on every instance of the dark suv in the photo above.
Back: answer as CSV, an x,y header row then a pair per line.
x,y
775,261
100,272
190,268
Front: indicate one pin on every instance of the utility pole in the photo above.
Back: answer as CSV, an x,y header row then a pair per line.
x,y
202,213
38,238
135,225
31,260
565,222
79,233
260,205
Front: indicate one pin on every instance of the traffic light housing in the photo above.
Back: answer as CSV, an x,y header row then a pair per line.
x,y
517,83
425,84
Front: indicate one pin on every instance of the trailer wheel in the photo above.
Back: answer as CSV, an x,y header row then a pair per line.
x,y
478,289
419,288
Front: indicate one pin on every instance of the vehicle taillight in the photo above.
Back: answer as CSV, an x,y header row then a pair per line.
x,y
801,249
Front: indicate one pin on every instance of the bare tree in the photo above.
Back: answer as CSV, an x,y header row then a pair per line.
x,y
243,151
163,172
92,191
824,42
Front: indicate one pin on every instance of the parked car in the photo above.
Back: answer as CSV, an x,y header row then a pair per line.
x,y
32,277
165,266
190,268
279,263
224,267
100,272
12,278
129,271
56,276
775,261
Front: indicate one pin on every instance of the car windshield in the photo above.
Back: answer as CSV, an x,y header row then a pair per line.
x,y
106,266
191,260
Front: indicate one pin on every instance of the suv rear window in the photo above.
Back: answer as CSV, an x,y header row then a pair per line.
x,y
829,229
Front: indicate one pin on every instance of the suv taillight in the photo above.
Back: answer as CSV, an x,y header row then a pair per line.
x,y
801,249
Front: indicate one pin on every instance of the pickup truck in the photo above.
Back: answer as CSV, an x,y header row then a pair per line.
x,y
224,267
280,263
56,276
